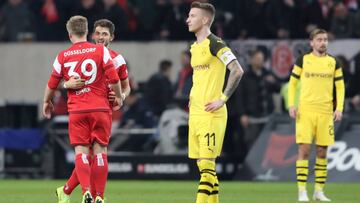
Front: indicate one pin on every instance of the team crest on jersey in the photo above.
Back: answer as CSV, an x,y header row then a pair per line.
x,y
330,64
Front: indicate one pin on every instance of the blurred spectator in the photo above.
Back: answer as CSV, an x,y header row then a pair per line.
x,y
51,16
159,89
89,9
173,125
136,112
318,15
342,23
16,21
184,82
173,25
113,12
256,19
254,97
352,86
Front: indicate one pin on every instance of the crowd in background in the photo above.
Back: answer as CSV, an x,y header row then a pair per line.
x,y
44,20
158,103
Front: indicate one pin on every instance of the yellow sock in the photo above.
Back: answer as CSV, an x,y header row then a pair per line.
x,y
214,196
207,180
320,173
302,171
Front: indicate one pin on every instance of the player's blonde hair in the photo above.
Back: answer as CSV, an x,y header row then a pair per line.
x,y
316,32
77,25
207,7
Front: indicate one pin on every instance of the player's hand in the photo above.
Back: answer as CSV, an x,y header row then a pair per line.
x,y
48,107
117,103
75,83
337,116
214,105
292,112
111,97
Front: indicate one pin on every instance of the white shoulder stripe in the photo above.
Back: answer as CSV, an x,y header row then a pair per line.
x,y
118,61
106,55
57,66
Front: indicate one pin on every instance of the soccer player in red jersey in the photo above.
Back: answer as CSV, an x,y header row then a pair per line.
x,y
89,117
103,34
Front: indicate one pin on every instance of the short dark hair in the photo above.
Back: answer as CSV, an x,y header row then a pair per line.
x,y
209,8
77,25
165,65
105,23
316,32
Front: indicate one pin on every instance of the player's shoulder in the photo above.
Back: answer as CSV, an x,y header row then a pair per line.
x,y
113,53
333,60
215,44
300,59
117,58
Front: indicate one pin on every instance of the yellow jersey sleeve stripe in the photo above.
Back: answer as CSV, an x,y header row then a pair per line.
x,y
338,72
338,78
297,70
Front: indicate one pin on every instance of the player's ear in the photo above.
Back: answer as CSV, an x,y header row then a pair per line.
x,y
112,37
205,20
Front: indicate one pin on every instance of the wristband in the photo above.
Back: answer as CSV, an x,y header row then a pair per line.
x,y
64,85
224,97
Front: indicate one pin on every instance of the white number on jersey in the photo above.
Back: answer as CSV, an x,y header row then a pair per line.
x,y
91,73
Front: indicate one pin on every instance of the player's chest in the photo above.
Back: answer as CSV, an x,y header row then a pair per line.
x,y
322,67
200,56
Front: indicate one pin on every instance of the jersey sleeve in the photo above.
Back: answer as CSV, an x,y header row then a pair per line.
x,y
294,79
56,74
109,68
219,49
121,67
339,87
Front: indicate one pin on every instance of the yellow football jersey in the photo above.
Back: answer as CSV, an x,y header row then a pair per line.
x,y
208,74
317,76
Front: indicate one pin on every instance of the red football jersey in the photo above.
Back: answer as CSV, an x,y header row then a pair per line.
x,y
120,64
91,62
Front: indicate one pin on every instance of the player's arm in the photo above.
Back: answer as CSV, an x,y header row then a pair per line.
x,y
294,79
75,82
340,91
50,88
111,75
236,73
219,49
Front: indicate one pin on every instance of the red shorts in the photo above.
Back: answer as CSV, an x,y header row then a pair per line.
x,y
86,128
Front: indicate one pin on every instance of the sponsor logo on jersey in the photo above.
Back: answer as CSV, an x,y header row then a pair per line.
x,y
202,67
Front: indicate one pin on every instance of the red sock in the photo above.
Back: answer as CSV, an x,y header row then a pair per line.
x,y
82,167
99,173
92,181
71,183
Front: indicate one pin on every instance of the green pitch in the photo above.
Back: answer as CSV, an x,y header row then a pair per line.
x,y
43,191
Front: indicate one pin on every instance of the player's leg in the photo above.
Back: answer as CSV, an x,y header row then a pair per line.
x,y
211,137
73,181
324,138
99,168
220,128
304,137
207,179
79,132
206,172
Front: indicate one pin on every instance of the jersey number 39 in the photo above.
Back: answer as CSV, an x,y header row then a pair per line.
x,y
84,69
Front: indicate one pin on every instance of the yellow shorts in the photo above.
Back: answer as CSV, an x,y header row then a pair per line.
x,y
312,125
206,136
